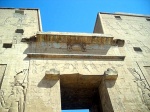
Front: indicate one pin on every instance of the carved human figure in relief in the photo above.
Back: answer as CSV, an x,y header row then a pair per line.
x,y
16,100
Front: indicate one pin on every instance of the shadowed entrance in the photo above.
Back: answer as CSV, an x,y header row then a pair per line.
x,y
80,92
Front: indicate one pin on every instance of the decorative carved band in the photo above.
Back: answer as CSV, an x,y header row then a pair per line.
x,y
75,39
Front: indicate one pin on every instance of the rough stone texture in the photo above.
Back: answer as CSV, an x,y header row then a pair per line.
x,y
131,90
23,89
52,71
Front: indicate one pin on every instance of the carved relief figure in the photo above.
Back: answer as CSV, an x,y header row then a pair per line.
x,y
16,100
141,84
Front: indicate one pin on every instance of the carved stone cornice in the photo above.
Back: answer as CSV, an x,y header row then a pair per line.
x,y
74,38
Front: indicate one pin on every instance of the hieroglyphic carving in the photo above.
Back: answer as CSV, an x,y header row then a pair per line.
x,y
34,70
72,66
75,67
19,91
142,85
45,66
93,66
65,66
122,27
54,64
18,20
85,66
144,47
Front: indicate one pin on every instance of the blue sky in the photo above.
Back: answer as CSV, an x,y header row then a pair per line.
x,y
77,15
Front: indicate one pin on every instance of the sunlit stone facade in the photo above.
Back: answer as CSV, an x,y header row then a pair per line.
x,y
104,71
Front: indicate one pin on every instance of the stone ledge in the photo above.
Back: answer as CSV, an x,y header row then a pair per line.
x,y
76,56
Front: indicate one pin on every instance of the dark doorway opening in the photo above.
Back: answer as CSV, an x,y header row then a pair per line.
x,y
80,92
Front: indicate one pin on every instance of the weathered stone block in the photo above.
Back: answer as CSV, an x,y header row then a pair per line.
x,y
111,74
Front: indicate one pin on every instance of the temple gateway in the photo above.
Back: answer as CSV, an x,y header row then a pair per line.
x,y
104,71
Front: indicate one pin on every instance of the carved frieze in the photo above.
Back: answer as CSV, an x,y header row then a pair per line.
x,y
75,41
74,38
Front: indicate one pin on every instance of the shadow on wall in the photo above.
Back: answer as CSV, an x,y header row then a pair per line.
x,y
47,83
